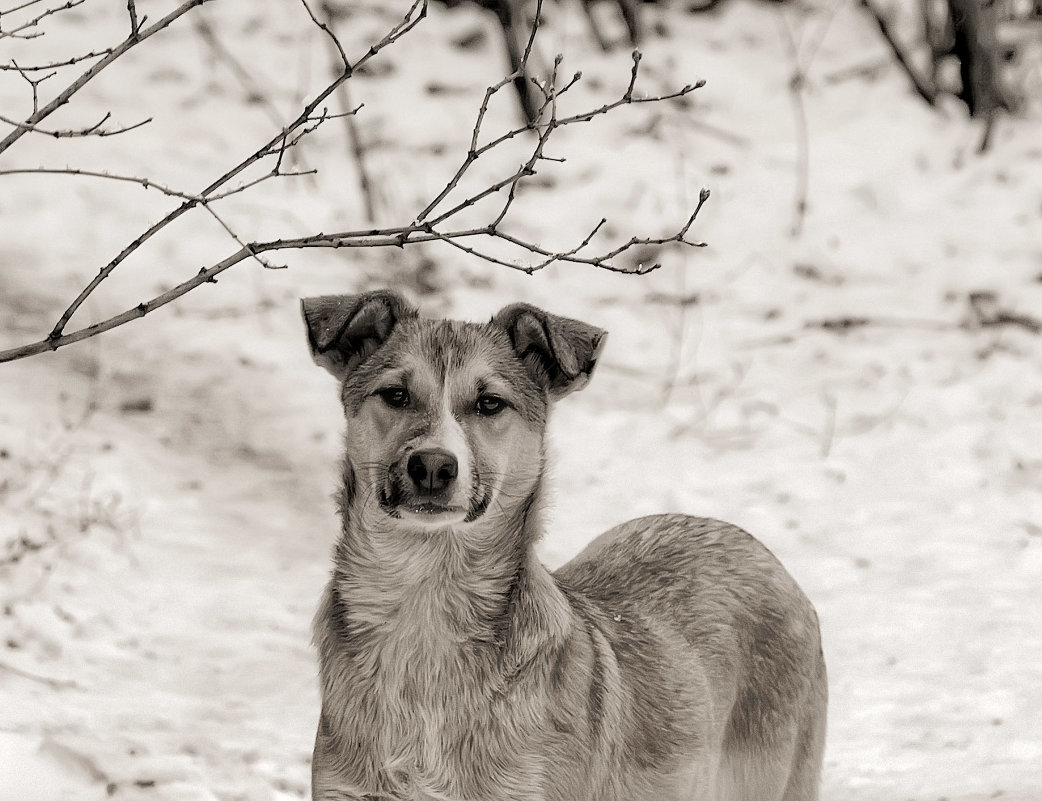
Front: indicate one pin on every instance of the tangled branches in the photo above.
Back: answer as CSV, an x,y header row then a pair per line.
x,y
438,221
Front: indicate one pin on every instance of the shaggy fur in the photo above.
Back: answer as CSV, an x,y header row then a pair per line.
x,y
672,660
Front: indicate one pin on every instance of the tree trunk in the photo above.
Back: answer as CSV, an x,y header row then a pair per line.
x,y
977,48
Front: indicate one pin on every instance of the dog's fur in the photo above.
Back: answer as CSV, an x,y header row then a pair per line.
x,y
673,660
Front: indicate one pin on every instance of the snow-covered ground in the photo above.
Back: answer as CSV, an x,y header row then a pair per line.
x,y
165,488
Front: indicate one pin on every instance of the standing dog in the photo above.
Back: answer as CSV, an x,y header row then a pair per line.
x,y
674,659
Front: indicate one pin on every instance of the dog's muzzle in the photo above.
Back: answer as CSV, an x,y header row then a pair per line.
x,y
426,487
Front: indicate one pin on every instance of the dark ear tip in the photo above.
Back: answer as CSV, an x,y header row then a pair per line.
x,y
305,307
600,339
507,316
564,350
343,330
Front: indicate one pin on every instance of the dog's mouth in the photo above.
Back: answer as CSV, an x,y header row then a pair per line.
x,y
394,503
431,509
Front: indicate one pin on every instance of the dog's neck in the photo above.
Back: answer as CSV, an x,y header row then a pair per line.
x,y
430,634
480,593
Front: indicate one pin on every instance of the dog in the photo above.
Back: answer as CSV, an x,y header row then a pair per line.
x,y
674,659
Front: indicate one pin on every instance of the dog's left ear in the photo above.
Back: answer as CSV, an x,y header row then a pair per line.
x,y
560,352
344,330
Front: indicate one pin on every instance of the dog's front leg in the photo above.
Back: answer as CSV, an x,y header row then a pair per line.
x,y
328,782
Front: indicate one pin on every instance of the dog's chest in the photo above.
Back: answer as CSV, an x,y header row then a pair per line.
x,y
425,690
439,735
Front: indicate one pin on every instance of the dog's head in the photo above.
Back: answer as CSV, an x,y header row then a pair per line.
x,y
445,418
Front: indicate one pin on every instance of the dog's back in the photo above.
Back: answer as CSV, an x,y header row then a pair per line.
x,y
705,603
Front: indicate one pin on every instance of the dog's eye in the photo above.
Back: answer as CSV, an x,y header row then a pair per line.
x,y
396,397
489,405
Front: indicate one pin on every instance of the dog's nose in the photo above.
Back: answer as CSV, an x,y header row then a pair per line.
x,y
433,470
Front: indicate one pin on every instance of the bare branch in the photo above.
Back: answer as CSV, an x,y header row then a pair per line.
x,y
326,28
215,196
526,56
87,76
354,135
430,225
605,260
473,153
17,31
552,257
34,83
551,94
135,26
926,91
628,98
262,262
205,203
277,145
54,64
93,130
8,11
513,265
389,237
148,183
54,342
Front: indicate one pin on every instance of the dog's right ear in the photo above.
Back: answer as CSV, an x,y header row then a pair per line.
x,y
345,330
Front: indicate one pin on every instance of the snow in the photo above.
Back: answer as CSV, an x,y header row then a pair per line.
x,y
169,483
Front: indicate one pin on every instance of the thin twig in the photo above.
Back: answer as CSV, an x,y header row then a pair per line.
x,y
574,251
528,168
93,130
148,183
926,90
35,21
327,29
277,145
8,11
64,96
242,75
54,64
56,684
624,101
22,36
470,251
354,135
390,237
428,226
34,83
228,229
796,84
135,26
475,152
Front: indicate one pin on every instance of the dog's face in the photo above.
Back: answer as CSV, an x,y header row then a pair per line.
x,y
442,421
445,418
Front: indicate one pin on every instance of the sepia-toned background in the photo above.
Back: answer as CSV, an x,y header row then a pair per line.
x,y
858,382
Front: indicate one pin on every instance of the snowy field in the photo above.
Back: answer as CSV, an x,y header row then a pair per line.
x,y
848,394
